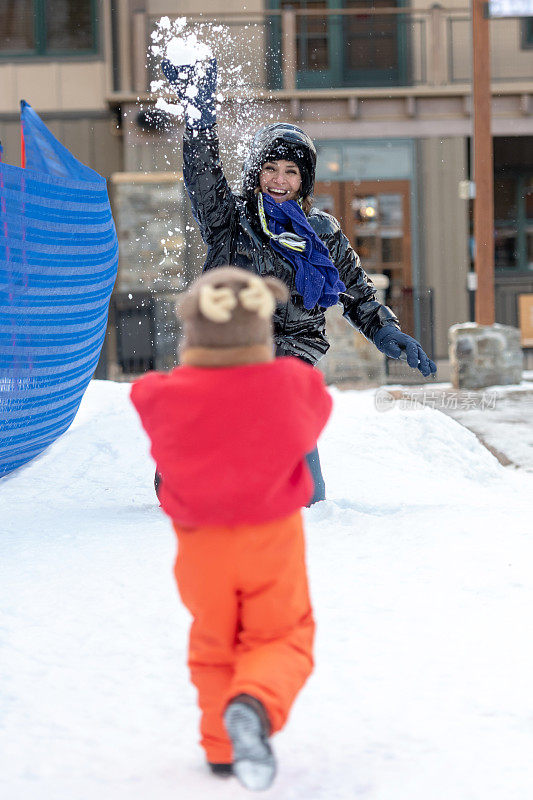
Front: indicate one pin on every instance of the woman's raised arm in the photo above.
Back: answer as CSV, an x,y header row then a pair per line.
x,y
212,200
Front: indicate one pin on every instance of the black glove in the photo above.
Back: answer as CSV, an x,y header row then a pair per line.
x,y
391,341
195,86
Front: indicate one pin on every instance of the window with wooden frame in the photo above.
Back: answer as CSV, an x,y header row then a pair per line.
x,y
358,49
513,221
51,28
527,33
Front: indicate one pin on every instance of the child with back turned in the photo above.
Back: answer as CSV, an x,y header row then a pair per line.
x,y
230,429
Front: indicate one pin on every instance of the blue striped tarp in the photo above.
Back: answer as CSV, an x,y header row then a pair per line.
x,y
58,264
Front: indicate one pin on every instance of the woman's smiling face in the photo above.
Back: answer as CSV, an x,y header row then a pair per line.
x,y
281,180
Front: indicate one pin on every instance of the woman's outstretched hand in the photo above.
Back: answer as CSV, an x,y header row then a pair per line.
x,y
395,344
195,86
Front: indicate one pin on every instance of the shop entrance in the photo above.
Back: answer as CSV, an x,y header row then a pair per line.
x,y
376,218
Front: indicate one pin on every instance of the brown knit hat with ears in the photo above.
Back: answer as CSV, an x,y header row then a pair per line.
x,y
227,318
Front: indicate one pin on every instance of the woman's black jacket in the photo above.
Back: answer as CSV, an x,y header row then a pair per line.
x,y
230,228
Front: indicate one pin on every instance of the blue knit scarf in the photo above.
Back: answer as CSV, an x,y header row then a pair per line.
x,y
317,277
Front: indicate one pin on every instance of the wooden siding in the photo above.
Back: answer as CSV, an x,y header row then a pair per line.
x,y
507,288
444,232
90,139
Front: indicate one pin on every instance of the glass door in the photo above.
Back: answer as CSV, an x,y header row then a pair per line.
x,y
513,223
377,220
527,247
329,197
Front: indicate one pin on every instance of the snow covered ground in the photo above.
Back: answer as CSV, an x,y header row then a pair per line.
x,y
421,577
500,416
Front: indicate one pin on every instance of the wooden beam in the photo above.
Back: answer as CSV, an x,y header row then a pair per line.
x,y
140,48
296,108
437,49
124,44
353,107
410,107
288,49
525,104
483,167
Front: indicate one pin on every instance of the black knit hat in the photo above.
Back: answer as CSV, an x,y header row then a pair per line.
x,y
280,141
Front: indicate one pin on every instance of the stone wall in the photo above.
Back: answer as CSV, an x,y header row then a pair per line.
x,y
484,355
159,256
351,357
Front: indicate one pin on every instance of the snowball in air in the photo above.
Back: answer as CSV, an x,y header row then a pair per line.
x,y
187,50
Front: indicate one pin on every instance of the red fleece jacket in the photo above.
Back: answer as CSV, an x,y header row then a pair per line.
x,y
230,442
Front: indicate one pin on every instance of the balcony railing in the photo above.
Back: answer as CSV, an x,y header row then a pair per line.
x,y
376,48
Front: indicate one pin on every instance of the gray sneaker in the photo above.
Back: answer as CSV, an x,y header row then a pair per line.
x,y
247,726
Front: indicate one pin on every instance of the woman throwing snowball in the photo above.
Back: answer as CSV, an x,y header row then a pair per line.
x,y
273,229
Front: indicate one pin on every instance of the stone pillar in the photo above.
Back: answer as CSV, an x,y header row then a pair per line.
x,y
484,355
351,357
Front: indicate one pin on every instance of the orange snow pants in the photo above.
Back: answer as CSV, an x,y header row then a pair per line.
x,y
253,628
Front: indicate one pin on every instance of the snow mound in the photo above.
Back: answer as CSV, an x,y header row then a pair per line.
x,y
401,458
421,582
101,462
